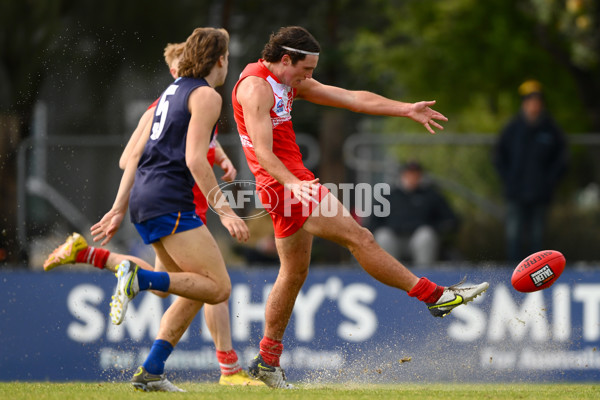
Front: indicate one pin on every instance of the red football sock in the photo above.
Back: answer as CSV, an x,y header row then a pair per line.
x,y
94,256
271,350
228,361
426,291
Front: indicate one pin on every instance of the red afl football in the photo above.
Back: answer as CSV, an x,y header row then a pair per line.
x,y
538,271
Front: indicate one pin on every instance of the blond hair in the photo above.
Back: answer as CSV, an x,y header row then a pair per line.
x,y
202,51
173,52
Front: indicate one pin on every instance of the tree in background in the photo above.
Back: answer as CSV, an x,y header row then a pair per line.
x,y
27,28
472,55
57,42
469,55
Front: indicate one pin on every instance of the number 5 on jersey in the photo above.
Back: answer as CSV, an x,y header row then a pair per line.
x,y
161,111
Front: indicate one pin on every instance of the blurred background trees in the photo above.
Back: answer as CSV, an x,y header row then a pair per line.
x,y
95,65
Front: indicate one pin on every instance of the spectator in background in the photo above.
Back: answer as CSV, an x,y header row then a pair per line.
x,y
420,219
530,157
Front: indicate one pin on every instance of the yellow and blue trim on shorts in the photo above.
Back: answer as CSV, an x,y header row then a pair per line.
x,y
153,229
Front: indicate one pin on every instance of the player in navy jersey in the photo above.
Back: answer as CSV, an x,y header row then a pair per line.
x,y
76,249
161,203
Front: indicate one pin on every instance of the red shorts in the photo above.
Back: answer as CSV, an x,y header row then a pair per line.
x,y
287,213
200,203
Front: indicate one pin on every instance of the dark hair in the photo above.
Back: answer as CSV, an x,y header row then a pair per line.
x,y
294,37
202,51
412,165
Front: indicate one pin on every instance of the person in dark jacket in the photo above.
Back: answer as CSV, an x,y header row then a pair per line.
x,y
420,217
530,157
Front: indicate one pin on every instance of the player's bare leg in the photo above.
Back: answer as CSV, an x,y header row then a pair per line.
x,y
217,321
173,324
177,318
199,276
75,250
114,259
332,221
294,254
70,253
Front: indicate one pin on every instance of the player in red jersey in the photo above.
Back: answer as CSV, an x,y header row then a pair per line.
x,y
262,101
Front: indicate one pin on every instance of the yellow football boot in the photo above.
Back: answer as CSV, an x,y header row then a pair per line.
x,y
66,252
240,378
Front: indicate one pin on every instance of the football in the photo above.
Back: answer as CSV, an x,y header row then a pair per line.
x,y
538,271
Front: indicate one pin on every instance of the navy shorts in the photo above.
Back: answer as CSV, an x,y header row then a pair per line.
x,y
155,228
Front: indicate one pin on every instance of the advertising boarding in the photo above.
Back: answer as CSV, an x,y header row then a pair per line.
x,y
345,327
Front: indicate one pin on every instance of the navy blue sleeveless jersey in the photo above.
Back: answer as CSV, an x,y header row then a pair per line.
x,y
163,183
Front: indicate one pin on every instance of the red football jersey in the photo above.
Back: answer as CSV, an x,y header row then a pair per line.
x,y
284,137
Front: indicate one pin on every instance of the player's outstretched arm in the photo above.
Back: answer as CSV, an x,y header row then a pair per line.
x,y
422,113
135,136
108,226
370,103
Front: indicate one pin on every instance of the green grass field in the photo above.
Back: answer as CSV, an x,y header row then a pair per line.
x,y
210,391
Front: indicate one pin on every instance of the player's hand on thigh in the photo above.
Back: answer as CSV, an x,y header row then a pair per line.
x,y
305,191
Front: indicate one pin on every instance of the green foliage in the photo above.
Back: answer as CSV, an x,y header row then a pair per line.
x,y
469,55
88,59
